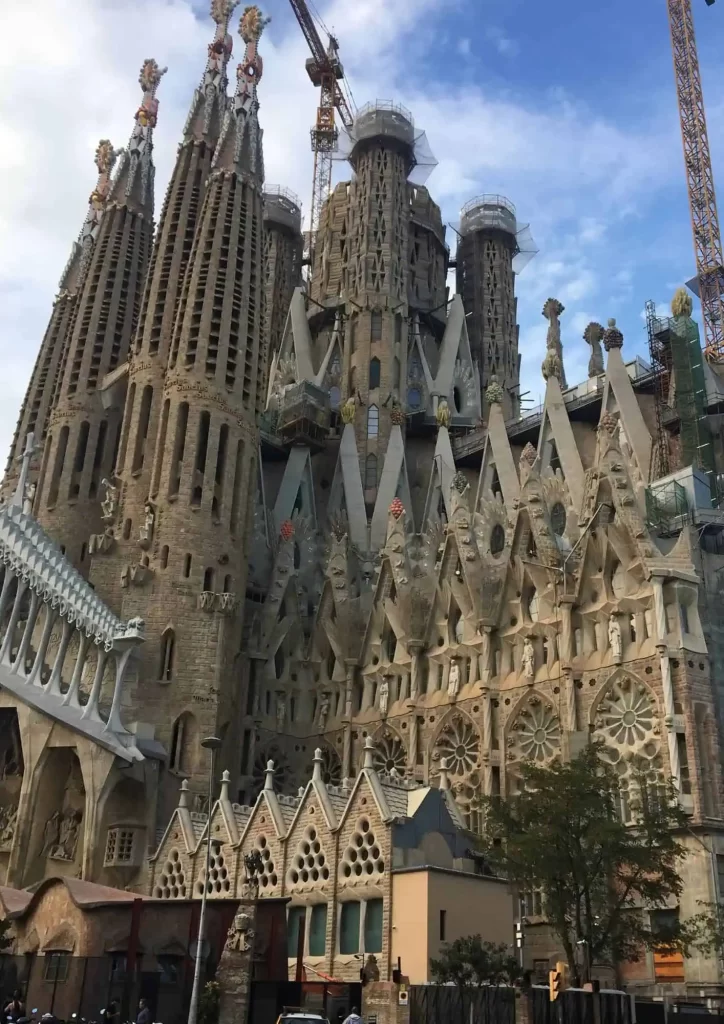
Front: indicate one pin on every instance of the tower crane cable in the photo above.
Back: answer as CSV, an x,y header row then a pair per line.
x,y
699,176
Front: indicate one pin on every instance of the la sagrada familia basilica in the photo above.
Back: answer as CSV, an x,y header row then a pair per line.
x,y
302,510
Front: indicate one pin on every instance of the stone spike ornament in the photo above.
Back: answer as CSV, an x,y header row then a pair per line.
x,y
681,304
553,362
221,47
105,160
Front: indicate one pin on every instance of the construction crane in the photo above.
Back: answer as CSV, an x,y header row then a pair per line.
x,y
326,72
699,176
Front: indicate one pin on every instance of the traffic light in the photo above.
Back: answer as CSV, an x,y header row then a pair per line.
x,y
557,980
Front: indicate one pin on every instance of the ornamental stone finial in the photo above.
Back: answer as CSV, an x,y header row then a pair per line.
x,y
681,304
553,362
608,424
494,392
348,410
442,414
529,454
269,777
593,336
612,337
252,24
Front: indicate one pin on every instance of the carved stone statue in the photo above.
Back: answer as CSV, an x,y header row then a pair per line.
x,y
51,833
29,497
371,969
60,838
593,336
453,679
443,414
109,502
681,304
614,638
383,696
348,410
145,535
240,935
552,311
281,709
8,821
528,659
324,705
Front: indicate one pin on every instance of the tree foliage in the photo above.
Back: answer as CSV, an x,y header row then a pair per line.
x,y
470,962
597,875
210,1003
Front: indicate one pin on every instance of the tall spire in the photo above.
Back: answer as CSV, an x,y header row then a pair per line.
x,y
83,429
209,104
240,145
50,363
136,172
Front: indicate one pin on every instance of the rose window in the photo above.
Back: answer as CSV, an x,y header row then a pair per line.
x,y
459,744
282,770
390,753
627,718
536,733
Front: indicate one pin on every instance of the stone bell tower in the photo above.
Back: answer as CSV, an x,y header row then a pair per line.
x,y
186,568
84,428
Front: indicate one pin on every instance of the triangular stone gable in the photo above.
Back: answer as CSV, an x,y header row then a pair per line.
x,y
311,845
393,484
346,500
457,380
441,478
296,492
556,430
619,395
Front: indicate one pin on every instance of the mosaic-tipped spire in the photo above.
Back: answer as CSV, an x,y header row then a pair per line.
x,y
209,104
134,181
240,143
105,160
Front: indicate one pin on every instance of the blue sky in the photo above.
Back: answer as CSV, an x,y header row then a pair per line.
x,y
568,109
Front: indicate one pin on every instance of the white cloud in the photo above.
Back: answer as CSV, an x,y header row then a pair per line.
x,y
464,47
577,177
502,42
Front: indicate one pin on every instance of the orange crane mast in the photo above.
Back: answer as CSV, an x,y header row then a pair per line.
x,y
699,177
326,72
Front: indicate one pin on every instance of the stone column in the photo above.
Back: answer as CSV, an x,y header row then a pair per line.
x,y
666,682
566,651
485,656
487,742
571,709
414,743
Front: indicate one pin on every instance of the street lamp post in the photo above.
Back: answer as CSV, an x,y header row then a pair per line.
x,y
212,744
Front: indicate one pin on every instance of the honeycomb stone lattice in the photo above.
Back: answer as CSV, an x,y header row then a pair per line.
x,y
267,876
362,860
217,883
309,865
172,883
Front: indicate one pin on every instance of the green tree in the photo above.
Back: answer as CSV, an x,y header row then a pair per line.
x,y
597,875
470,962
210,1003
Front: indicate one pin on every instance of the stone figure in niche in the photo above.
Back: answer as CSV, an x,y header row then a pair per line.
x,y
51,833
281,709
453,679
383,696
253,867
29,497
324,705
528,659
8,820
240,934
109,502
146,532
10,762
614,638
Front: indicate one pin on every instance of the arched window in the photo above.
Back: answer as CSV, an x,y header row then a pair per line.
x,y
184,743
228,582
374,373
187,566
164,556
127,527
376,325
209,579
373,421
370,472
168,649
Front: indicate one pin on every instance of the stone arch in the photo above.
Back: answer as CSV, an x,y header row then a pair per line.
x,y
532,730
390,751
620,673
58,819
